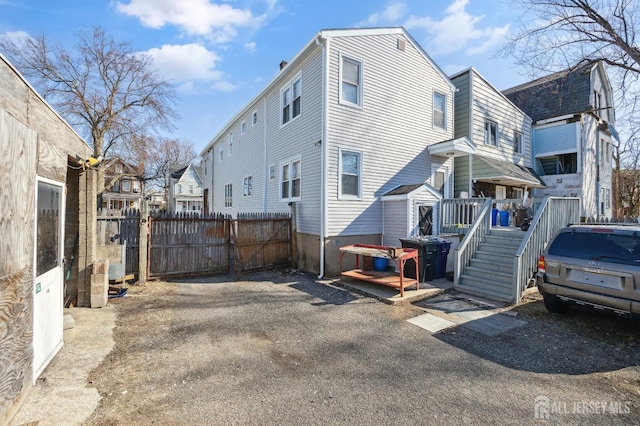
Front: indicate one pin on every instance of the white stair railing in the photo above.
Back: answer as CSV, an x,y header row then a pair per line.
x,y
469,244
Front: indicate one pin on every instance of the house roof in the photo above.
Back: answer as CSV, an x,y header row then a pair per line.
x,y
314,44
506,173
177,174
405,192
561,93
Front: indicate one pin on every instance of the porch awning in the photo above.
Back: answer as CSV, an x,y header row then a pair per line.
x,y
452,148
407,192
505,173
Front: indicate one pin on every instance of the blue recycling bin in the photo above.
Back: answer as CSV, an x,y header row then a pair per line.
x,y
504,218
442,251
494,217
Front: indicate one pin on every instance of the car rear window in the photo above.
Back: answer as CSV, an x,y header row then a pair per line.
x,y
606,247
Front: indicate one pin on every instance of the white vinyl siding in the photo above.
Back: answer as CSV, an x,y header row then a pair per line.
x,y
476,102
392,130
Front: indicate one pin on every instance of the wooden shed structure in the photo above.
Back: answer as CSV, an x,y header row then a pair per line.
x,y
47,233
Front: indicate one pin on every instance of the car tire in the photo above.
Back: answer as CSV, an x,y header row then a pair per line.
x,y
555,305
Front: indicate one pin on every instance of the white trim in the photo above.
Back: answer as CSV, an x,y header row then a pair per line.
x,y
342,196
360,91
243,127
289,86
230,184
555,119
250,191
289,163
444,113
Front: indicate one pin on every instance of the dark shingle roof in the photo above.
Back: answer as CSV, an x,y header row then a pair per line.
x,y
404,189
561,93
178,173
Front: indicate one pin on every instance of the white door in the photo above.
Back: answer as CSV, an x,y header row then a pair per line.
x,y
501,192
48,284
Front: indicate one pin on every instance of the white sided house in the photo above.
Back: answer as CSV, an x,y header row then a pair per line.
x,y
499,133
348,120
573,117
185,191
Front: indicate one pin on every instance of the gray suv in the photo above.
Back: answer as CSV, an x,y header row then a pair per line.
x,y
594,265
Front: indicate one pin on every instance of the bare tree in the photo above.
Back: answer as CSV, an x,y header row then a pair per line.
x,y
108,92
562,34
157,157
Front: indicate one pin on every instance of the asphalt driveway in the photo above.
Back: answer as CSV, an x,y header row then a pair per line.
x,y
277,348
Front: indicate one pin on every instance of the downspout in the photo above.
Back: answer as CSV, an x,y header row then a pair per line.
x,y
266,165
323,125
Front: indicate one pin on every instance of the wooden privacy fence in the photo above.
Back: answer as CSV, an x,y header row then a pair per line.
x,y
186,244
118,227
261,241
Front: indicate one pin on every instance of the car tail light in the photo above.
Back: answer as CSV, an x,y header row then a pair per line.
x,y
541,267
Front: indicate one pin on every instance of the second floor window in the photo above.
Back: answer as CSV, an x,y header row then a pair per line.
x,y
350,174
351,82
126,185
490,133
517,143
230,144
179,188
290,100
439,110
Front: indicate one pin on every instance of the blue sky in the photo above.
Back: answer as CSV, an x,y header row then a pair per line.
x,y
220,54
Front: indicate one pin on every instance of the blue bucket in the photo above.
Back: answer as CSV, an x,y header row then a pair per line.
x,y
504,218
379,264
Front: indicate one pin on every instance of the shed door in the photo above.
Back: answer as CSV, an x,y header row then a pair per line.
x,y
48,285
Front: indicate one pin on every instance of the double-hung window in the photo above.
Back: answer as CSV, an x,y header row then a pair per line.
x,y
350,81
290,99
490,133
350,174
247,186
439,110
290,180
230,144
228,195
517,143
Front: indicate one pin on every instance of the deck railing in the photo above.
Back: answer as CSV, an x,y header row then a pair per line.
x,y
553,214
458,214
474,236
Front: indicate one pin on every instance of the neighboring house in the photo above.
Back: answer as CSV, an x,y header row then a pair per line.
x,y
48,213
573,117
494,140
123,186
157,201
185,190
347,121
629,182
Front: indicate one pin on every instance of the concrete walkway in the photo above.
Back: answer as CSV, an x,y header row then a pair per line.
x,y
62,394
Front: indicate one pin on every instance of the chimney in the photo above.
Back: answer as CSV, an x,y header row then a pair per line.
x,y
283,64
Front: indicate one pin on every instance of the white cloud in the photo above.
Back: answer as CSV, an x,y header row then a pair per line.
x,y
390,15
224,86
195,17
250,47
186,62
15,37
458,30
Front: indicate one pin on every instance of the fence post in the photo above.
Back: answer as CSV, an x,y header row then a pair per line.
x,y
142,244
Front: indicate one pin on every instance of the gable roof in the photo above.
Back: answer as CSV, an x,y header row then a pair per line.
x,y
315,43
177,174
561,93
406,192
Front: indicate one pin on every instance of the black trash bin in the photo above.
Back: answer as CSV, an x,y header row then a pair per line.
x,y
426,257
442,251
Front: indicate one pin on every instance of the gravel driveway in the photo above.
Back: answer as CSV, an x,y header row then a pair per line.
x,y
278,348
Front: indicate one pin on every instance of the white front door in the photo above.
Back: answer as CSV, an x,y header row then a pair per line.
x,y
48,284
501,192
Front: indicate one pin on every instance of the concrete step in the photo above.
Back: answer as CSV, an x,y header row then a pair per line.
x,y
503,264
485,288
500,278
